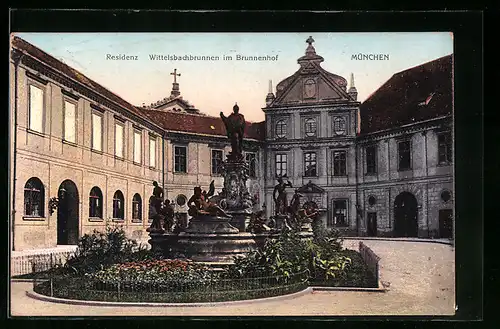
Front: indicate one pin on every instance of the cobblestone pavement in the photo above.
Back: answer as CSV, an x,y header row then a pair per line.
x,y
420,277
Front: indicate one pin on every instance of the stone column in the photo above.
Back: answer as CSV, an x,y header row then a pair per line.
x,y
238,201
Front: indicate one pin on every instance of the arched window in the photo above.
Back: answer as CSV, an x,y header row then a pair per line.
x,y
136,207
34,195
118,205
310,128
281,129
95,203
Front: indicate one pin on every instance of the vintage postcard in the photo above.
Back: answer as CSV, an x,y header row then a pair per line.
x,y
262,174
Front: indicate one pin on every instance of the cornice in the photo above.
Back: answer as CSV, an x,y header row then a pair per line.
x,y
320,107
309,146
206,139
33,63
316,141
441,123
36,77
69,94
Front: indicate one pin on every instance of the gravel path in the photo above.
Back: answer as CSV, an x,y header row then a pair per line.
x,y
420,277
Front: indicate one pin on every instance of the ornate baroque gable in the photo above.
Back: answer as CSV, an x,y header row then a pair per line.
x,y
311,84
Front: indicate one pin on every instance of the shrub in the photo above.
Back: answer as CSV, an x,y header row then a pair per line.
x,y
290,254
100,250
283,256
328,239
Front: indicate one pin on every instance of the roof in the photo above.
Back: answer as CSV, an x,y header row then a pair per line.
x,y
71,73
207,125
417,94
182,122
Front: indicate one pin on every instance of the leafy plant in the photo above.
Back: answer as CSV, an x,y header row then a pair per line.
x,y
100,250
331,267
281,257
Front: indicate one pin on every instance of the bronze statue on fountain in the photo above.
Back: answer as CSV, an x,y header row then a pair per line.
x,y
161,212
281,210
235,127
235,199
280,196
155,210
169,216
200,204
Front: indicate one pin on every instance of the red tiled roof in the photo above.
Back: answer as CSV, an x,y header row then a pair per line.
x,y
197,124
397,101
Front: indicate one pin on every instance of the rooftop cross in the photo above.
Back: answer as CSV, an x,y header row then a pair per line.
x,y
175,74
310,40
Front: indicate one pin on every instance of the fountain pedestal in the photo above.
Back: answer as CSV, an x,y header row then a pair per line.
x,y
212,239
236,199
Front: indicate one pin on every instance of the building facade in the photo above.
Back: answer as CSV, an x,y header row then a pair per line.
x,y
81,157
77,145
311,126
405,149
381,168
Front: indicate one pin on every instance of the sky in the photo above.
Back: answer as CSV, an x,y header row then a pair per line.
x,y
216,85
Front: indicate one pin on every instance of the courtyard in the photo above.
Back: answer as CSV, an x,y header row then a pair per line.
x,y
420,277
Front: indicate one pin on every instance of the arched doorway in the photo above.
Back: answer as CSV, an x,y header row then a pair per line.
x,y
68,214
405,215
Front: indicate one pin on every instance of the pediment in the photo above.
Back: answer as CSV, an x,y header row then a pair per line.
x,y
310,85
311,188
177,105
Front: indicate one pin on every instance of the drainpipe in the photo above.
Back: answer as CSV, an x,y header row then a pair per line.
x,y
427,185
264,171
17,59
357,192
163,163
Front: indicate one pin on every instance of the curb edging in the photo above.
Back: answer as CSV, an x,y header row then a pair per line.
x,y
422,240
44,298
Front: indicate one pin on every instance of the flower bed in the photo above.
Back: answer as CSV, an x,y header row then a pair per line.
x,y
210,287
106,267
152,271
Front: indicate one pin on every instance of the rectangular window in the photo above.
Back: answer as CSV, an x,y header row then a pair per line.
x,y
444,148
137,146
281,165
119,140
371,159
36,109
404,155
251,159
152,152
310,164
339,218
96,132
216,162
339,163
180,160
69,122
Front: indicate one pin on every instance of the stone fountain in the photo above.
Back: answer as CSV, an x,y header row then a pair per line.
x,y
218,229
